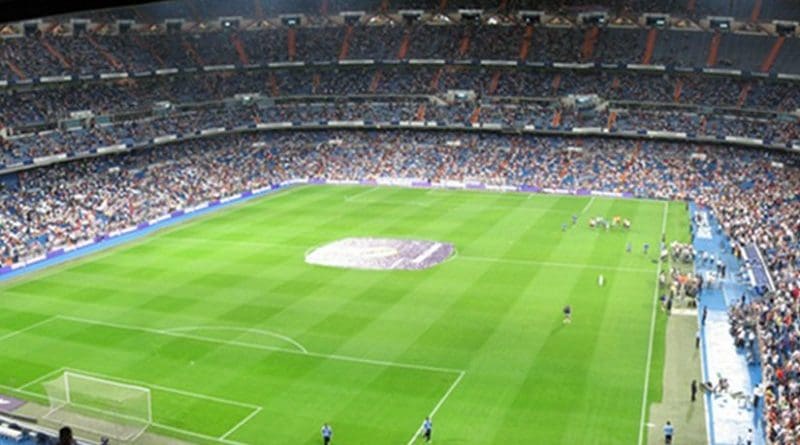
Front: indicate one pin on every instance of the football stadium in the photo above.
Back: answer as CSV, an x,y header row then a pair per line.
x,y
400,222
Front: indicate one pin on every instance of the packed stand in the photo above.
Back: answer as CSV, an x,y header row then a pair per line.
x,y
68,203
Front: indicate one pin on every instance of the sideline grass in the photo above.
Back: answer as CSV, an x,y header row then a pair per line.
x,y
151,311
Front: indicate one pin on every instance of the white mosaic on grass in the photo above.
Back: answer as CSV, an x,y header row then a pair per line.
x,y
380,254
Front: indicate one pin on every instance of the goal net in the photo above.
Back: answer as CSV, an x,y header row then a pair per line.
x,y
104,407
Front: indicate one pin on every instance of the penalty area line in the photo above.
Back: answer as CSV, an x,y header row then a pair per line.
x,y
27,328
293,351
161,426
439,404
42,378
34,395
148,385
240,424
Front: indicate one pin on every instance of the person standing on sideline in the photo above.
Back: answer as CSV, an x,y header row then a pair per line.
x,y
758,391
705,315
327,434
567,314
694,390
669,430
697,340
427,429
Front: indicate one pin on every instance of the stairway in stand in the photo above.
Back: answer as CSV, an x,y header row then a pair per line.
x,y
713,50
650,46
769,60
589,42
238,45
291,41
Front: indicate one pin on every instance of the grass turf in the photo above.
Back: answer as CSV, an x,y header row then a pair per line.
x,y
196,312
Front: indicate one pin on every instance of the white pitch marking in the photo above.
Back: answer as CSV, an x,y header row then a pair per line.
x,y
261,347
403,202
42,378
588,204
164,388
197,435
554,264
26,329
369,190
239,329
157,425
240,424
652,334
452,256
439,405
256,408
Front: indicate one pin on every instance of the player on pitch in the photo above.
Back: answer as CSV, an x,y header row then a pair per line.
x,y
427,429
327,434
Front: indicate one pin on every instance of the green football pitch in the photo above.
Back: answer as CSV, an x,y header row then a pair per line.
x,y
239,340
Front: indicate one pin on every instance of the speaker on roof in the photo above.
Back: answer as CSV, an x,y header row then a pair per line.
x,y
593,18
290,20
30,28
470,15
123,26
785,28
79,26
352,17
410,15
531,17
656,20
229,22
174,25
720,23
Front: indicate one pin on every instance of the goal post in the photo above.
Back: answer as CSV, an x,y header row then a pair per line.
x,y
116,410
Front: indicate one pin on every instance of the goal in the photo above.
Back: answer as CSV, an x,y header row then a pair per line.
x,y
116,410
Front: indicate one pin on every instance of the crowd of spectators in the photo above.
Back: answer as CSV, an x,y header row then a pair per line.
x,y
33,105
376,42
756,201
89,52
755,194
91,135
759,204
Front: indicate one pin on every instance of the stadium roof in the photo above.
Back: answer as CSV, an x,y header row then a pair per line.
x,y
15,10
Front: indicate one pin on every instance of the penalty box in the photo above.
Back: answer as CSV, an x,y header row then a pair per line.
x,y
288,392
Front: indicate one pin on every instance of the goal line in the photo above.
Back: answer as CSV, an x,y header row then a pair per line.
x,y
106,416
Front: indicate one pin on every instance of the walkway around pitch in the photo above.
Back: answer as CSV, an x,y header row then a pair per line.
x,y
728,415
